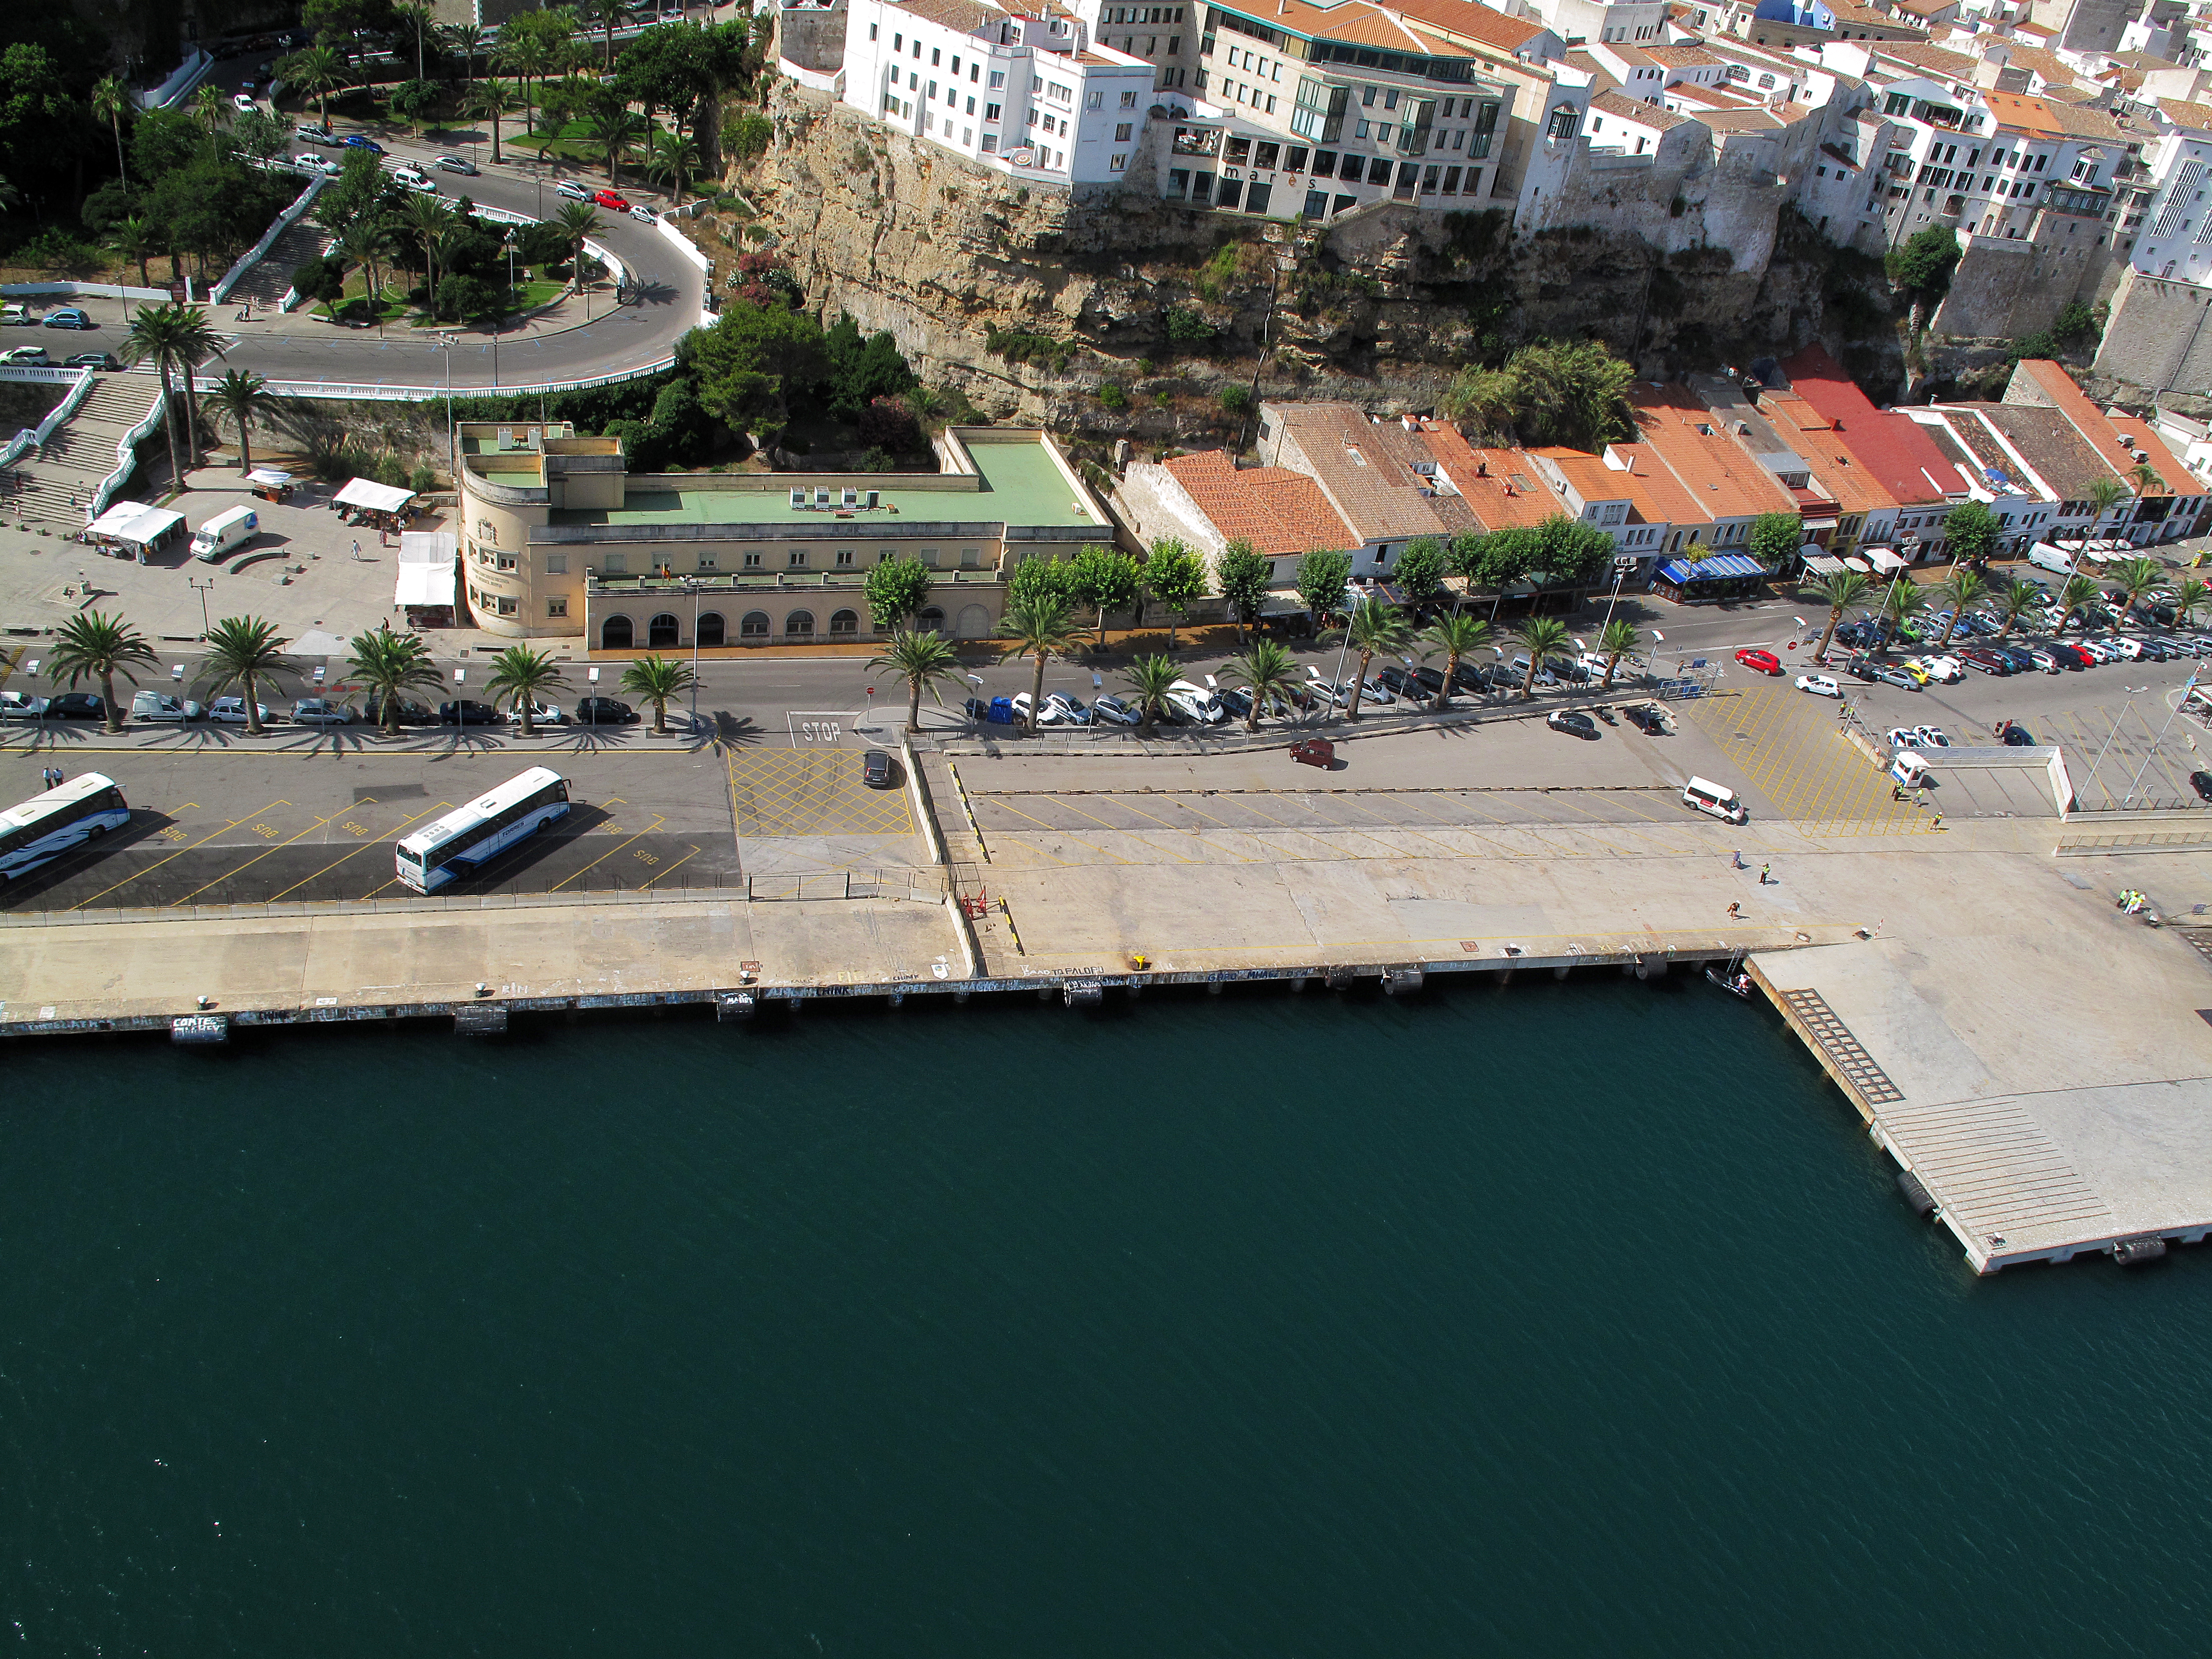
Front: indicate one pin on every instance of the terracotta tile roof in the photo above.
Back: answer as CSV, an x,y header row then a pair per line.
x,y
1502,488
1362,466
2043,62
1280,512
2180,480
1601,78
1476,22
1718,473
966,16
1682,56
1934,60
2102,433
2047,441
1902,458
1716,98
1656,495
1635,109
1849,483
1749,121
2191,118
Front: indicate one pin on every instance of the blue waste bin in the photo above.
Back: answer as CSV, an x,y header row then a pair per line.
x,y
1002,712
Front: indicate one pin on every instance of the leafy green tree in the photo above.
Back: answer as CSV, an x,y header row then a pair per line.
x,y
1150,678
242,395
2014,601
1972,530
1105,579
1541,637
522,677
94,645
1244,576
922,661
413,101
249,654
1776,537
1466,557
658,680
896,590
1268,673
1322,577
1374,625
1041,579
1176,576
1923,265
1573,393
752,361
1841,591
751,136
1421,571
1452,638
1041,626
390,665
863,369
1615,639
1961,586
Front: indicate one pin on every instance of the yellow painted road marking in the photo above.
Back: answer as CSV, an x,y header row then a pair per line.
x,y
657,822
678,864
366,846
179,854
251,862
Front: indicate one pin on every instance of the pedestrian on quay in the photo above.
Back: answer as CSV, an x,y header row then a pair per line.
x,y
1735,913
1763,869
1738,856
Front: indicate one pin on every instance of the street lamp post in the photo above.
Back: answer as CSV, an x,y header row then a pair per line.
x,y
2178,704
202,588
2133,692
1620,569
446,345
691,587
1344,603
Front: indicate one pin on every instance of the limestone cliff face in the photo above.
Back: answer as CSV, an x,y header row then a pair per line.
x,y
1382,307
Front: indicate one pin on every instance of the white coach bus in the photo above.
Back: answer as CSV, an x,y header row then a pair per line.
x,y
471,836
46,826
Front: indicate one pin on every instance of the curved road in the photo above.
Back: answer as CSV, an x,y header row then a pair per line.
x,y
628,337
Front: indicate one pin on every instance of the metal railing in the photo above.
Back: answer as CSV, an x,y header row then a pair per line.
x,y
352,391
921,886
61,411
282,222
126,458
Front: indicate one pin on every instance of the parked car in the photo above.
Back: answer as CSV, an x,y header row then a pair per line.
x,y
541,713
27,356
231,711
879,770
2125,649
1987,662
159,706
644,215
1931,737
604,711
411,713
360,141
1115,712
243,103
1468,677
101,359
1572,721
611,201
458,164
1398,683
2070,656
1901,736
321,164
1195,704
1061,709
1898,677
1330,695
2202,783
1544,677
76,706
572,190
1820,685
1649,721
1948,669
70,317
320,711
22,705
2015,736
14,313
466,711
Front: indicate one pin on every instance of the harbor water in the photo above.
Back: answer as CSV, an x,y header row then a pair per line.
x,y
1554,1319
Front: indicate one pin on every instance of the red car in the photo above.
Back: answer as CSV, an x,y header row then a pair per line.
x,y
1764,661
609,200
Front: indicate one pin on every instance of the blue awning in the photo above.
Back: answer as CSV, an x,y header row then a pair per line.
x,y
1719,567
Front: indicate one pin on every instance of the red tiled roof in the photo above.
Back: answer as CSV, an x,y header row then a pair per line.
x,y
1476,22
1718,473
1902,458
1280,512
2102,433
1501,487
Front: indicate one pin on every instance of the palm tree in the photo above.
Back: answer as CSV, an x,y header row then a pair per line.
x,y
1452,637
2104,492
1041,626
368,242
2016,599
91,646
110,97
1616,639
135,237
2191,598
317,73
523,56
921,660
1539,636
613,132
1149,678
2145,478
242,394
1904,599
391,665
491,99
176,338
244,652
1269,674
210,107
608,12
428,217
2079,593
467,41
519,674
1962,588
577,220
2134,578
1841,591
1375,625
421,21
657,679
672,156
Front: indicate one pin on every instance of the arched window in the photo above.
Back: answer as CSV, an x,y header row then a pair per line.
x,y
660,633
616,635
753,625
712,630
930,621
799,625
845,622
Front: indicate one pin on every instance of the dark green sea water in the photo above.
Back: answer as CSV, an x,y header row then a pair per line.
x,y
1563,1320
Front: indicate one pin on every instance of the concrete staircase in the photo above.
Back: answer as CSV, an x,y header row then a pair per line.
x,y
81,453
272,276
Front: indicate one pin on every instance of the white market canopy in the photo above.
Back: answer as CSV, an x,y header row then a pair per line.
x,y
426,568
272,476
135,522
1883,560
1821,565
376,497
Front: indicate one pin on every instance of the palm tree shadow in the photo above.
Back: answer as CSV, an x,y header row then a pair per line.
x,y
737,732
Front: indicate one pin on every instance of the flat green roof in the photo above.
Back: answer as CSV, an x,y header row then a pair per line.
x,y
1021,486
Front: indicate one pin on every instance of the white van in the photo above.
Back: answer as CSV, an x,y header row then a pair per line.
x,y
224,532
409,175
1909,769
1717,799
2045,556
1197,704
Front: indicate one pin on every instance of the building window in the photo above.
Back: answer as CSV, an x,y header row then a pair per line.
x,y
872,31
504,560
929,557
796,559
1122,131
799,625
662,632
1094,100
844,558
844,622
970,557
557,564
556,607
617,564
1117,163
1128,100
713,631
753,625
707,561
752,560
998,80
506,607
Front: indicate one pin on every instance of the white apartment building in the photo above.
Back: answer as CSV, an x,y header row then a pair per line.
x,y
1029,95
2174,240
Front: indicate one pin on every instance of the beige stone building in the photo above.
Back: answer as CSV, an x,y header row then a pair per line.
x,y
557,538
